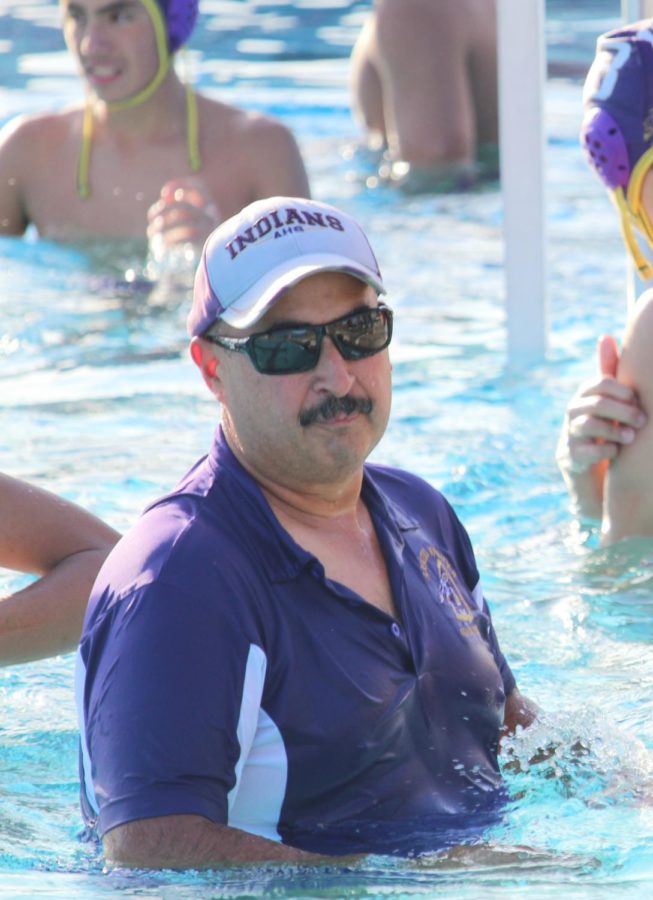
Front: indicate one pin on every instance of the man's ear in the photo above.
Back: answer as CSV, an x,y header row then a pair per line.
x,y
204,358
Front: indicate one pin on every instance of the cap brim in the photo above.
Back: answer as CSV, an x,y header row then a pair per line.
x,y
253,304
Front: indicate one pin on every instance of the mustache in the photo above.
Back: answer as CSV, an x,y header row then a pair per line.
x,y
333,406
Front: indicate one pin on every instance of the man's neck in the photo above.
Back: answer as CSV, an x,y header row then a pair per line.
x,y
163,111
317,505
305,502
331,521
335,526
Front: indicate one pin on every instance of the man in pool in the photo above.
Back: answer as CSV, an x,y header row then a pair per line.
x,y
424,85
143,153
606,443
289,656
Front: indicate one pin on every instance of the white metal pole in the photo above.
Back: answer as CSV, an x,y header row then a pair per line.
x,y
522,74
633,10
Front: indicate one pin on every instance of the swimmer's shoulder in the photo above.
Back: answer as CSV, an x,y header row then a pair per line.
x,y
26,134
233,124
264,146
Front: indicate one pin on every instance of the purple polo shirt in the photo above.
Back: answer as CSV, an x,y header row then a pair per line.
x,y
221,674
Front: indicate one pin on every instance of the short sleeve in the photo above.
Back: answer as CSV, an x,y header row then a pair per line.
x,y
162,700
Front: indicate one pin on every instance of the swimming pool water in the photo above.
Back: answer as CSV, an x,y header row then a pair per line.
x,y
99,401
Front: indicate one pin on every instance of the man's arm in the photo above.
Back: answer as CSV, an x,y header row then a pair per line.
x,y
13,150
601,418
46,535
192,842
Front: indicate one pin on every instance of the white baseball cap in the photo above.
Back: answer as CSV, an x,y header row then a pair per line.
x,y
251,258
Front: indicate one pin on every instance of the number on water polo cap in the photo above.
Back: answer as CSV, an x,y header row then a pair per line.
x,y
618,98
617,130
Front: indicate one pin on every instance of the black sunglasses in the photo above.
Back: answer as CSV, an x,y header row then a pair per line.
x,y
296,348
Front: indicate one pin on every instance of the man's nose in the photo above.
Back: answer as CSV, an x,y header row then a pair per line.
x,y
95,38
333,372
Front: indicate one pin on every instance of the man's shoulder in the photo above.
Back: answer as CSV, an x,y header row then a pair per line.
x,y
393,477
178,547
188,531
410,493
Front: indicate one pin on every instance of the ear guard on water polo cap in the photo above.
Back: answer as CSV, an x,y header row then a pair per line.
x,y
180,18
617,129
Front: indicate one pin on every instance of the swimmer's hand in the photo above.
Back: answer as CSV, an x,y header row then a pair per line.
x,y
601,417
185,213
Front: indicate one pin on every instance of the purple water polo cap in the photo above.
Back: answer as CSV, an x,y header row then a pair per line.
x,y
618,97
180,17
252,258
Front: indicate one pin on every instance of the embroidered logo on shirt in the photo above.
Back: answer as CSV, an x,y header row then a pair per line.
x,y
449,588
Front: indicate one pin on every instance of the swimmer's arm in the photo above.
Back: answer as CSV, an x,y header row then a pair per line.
x,y
193,842
365,85
602,417
45,535
13,216
275,161
419,51
628,501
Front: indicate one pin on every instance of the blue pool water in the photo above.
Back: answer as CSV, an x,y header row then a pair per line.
x,y
99,402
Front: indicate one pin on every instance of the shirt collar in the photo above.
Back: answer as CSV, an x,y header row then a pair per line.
x,y
282,558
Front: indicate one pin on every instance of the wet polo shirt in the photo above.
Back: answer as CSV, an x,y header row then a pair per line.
x,y
222,674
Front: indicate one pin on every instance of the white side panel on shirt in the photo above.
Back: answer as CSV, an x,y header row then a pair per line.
x,y
80,680
262,769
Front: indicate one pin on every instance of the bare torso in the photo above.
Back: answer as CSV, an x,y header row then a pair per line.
x,y
244,156
424,78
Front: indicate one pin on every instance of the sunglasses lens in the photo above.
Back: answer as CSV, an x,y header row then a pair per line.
x,y
285,351
363,334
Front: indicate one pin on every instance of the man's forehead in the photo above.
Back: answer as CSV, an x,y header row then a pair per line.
x,y
312,301
101,7
316,294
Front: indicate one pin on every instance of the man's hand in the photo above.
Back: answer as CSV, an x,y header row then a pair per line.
x,y
519,711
